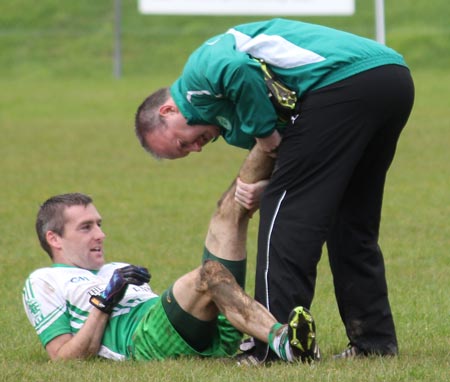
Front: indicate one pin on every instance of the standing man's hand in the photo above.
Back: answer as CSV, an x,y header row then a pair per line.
x,y
270,144
249,195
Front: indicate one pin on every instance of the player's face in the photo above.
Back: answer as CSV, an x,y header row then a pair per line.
x,y
82,241
178,139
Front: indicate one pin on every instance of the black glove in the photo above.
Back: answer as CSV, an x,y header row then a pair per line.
x,y
117,286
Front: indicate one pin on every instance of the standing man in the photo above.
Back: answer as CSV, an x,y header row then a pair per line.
x,y
81,307
330,106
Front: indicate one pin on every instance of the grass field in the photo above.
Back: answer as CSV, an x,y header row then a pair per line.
x,y
66,125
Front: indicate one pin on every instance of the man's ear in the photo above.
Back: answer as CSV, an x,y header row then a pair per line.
x,y
53,239
167,108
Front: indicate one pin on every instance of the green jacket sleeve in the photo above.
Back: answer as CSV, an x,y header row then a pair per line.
x,y
242,83
225,87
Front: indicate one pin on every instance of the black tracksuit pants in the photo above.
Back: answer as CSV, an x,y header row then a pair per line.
x,y
327,187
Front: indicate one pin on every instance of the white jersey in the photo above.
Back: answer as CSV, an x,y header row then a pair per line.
x,y
56,301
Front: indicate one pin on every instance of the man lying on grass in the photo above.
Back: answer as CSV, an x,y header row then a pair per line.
x,y
81,307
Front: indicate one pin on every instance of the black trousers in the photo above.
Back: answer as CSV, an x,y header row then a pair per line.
x,y
327,187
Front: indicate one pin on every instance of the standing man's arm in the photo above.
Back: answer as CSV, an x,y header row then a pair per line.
x,y
270,143
248,195
84,344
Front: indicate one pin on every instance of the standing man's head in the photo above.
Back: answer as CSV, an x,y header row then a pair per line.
x,y
69,230
163,130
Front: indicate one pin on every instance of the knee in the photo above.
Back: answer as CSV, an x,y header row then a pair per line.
x,y
212,275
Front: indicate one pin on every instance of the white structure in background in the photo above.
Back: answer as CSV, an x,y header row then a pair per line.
x,y
379,21
248,7
262,7
244,7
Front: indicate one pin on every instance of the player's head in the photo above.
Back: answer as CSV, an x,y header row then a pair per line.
x,y
57,212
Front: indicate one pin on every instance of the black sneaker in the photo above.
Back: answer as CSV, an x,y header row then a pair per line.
x,y
354,351
250,356
302,335
351,352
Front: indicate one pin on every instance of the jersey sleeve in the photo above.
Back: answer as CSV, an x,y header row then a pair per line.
x,y
218,80
45,308
242,82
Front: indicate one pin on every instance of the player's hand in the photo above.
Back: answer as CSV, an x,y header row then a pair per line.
x,y
117,286
248,195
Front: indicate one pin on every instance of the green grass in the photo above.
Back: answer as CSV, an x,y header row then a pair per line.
x,y
66,125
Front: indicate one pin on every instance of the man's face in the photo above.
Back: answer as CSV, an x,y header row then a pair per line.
x,y
178,139
81,245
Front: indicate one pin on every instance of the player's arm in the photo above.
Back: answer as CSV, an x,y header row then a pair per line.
x,y
84,344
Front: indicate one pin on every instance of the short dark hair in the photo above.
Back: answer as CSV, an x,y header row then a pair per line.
x,y
50,216
147,117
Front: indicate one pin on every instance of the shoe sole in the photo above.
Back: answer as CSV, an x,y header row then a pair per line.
x,y
302,334
247,360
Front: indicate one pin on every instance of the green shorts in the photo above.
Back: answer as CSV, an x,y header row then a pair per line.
x,y
155,338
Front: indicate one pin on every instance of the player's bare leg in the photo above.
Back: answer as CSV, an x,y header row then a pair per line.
x,y
293,341
227,233
216,289
243,312
226,237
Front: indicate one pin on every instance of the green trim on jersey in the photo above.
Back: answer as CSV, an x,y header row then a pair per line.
x,y
60,265
58,327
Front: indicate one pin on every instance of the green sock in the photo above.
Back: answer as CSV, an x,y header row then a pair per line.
x,y
279,342
237,268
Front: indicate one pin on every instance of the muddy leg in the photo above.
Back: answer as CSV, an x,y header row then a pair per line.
x,y
227,232
243,312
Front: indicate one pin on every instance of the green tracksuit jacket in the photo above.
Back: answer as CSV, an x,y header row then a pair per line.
x,y
223,85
